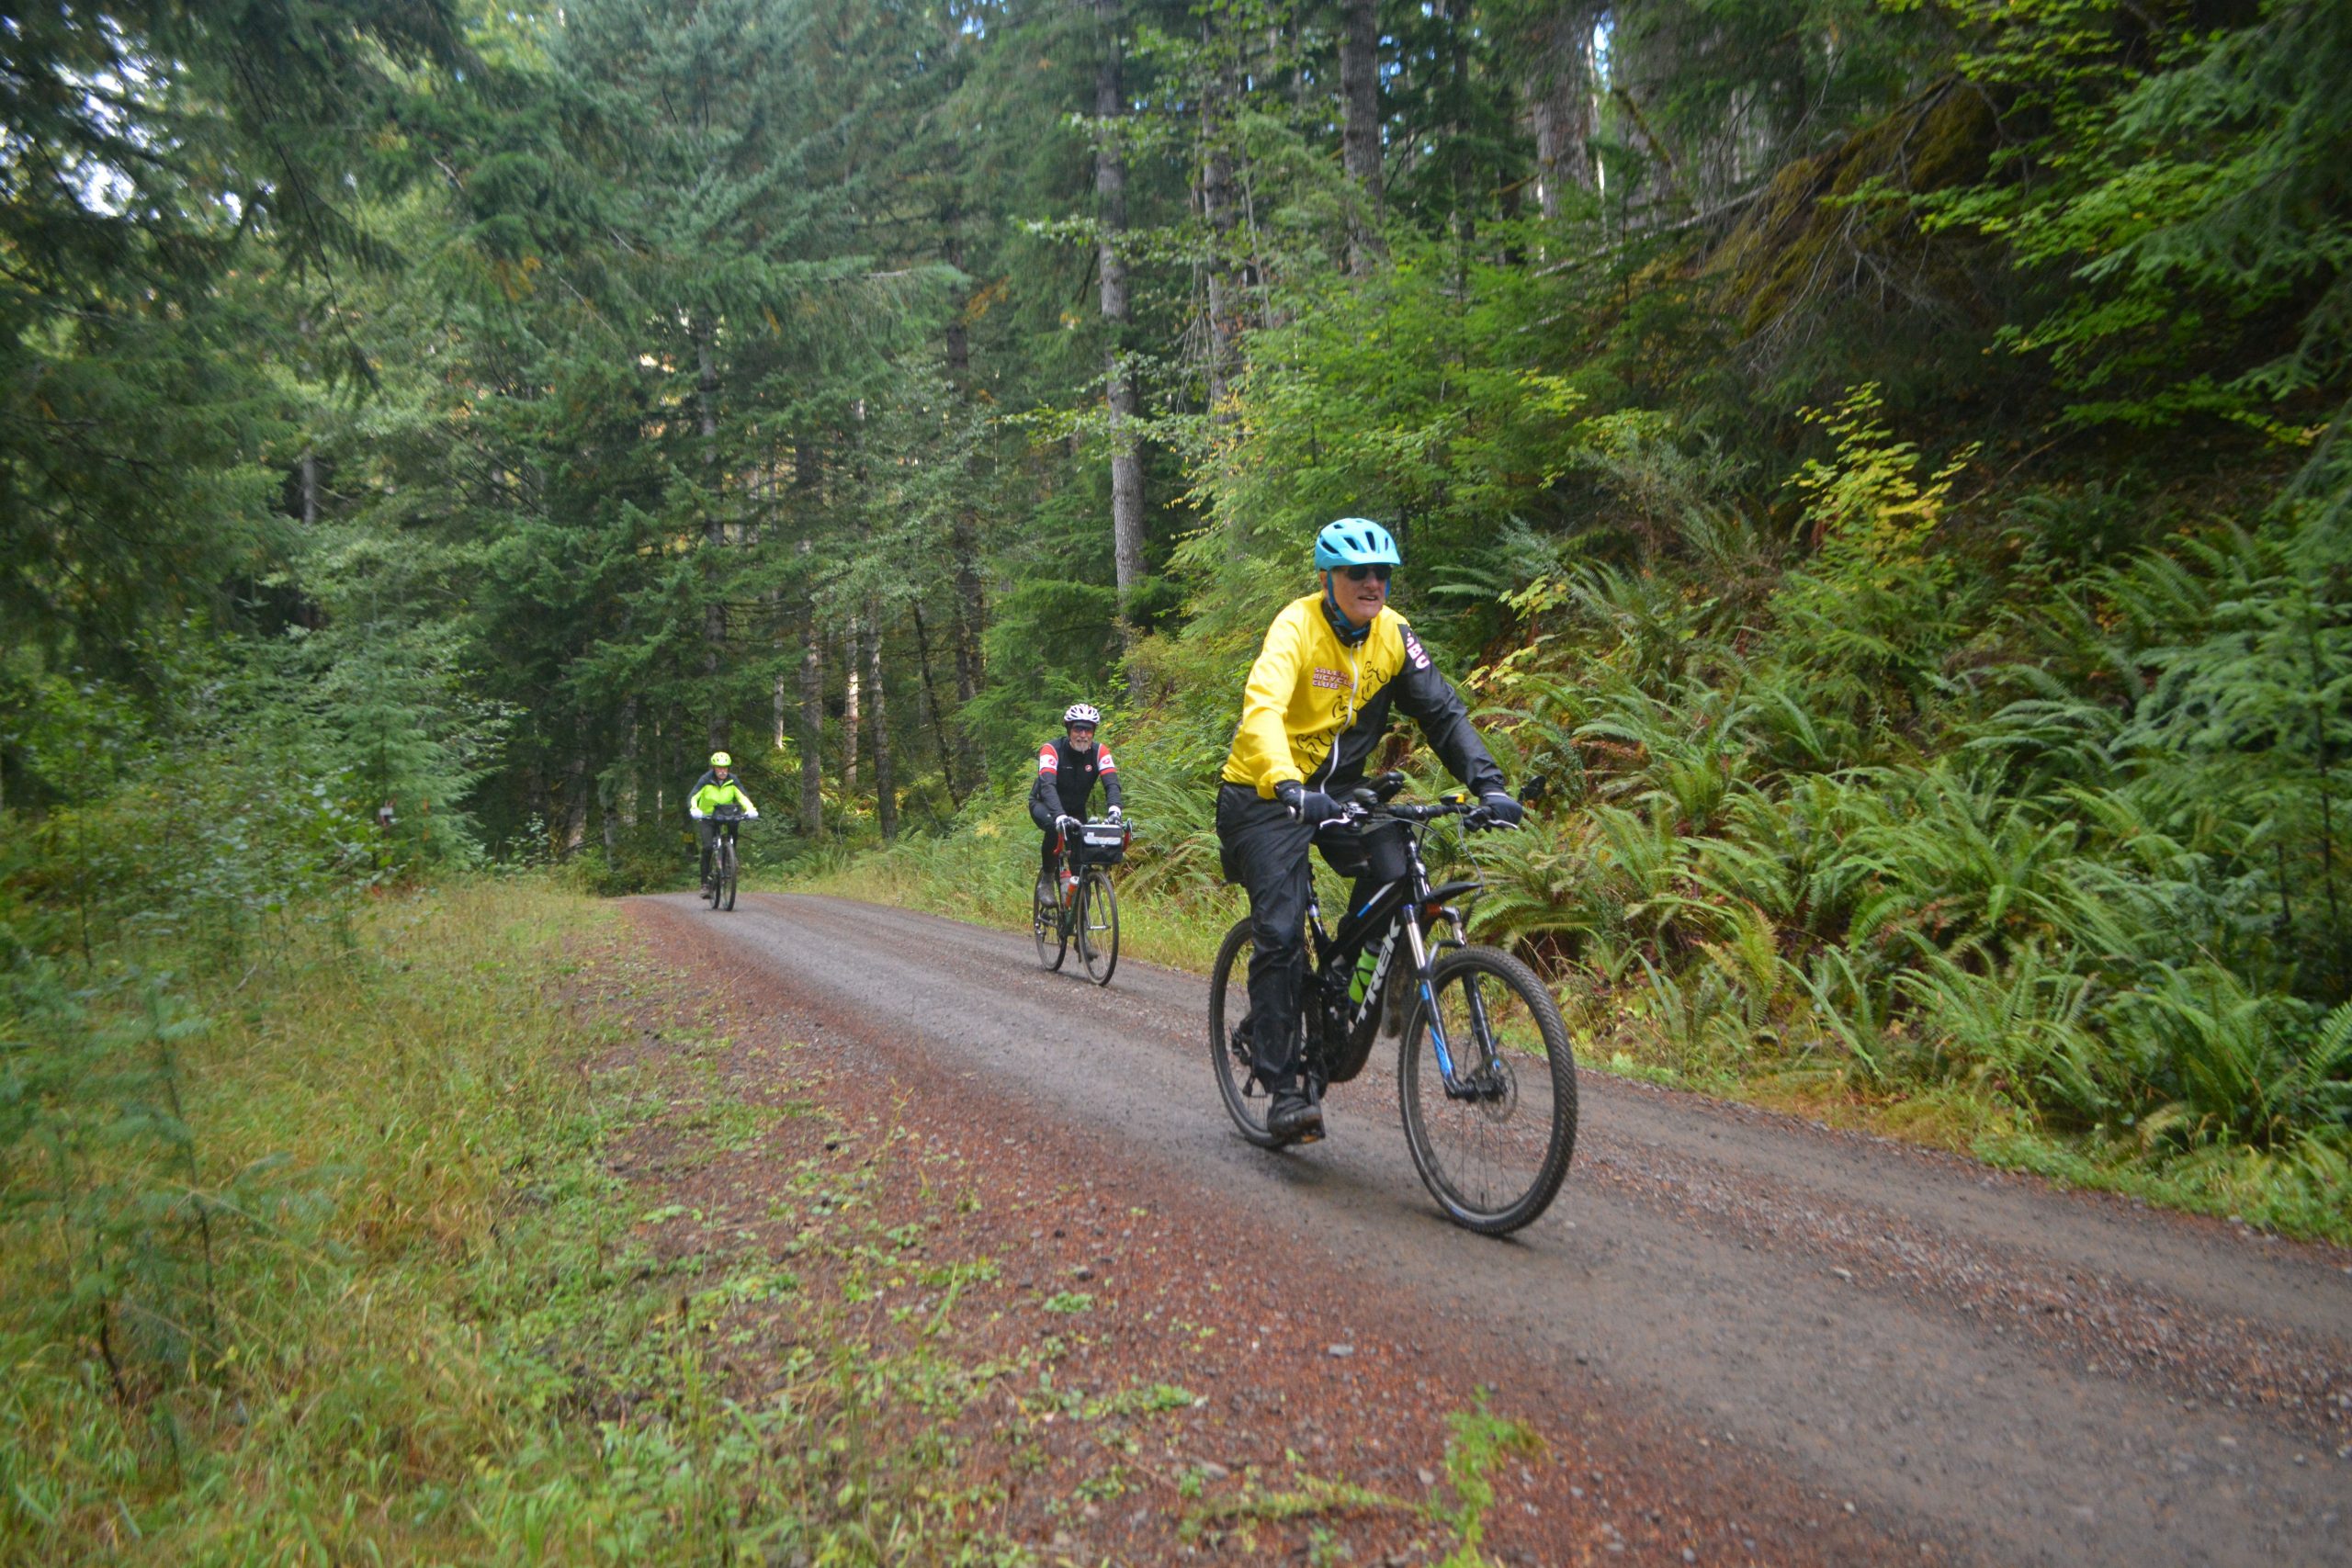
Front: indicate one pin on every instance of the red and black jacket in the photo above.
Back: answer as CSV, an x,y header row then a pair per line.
x,y
1066,778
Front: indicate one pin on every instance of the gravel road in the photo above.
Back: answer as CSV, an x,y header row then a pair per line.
x,y
2019,1374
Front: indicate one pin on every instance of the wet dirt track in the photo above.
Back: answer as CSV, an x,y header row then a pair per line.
x,y
1961,1363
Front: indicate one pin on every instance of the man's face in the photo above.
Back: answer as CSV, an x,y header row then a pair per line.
x,y
1081,737
723,775
1360,597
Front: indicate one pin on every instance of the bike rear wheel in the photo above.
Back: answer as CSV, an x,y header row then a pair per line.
x,y
1046,923
1494,1150
1098,926
1230,1050
727,873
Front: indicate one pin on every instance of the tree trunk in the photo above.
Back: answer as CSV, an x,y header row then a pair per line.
x,y
959,337
714,531
1560,100
1360,124
1119,386
971,617
661,775
575,805
812,721
1218,210
628,797
878,696
808,484
852,673
310,486
961,763
950,759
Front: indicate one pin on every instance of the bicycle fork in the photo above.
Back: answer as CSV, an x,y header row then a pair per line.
x,y
1458,1086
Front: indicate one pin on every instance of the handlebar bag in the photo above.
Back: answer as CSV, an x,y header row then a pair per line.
x,y
1100,844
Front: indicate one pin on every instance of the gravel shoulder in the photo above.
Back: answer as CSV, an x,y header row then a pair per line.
x,y
1778,1342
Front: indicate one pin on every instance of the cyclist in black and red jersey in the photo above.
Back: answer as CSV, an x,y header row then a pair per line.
x,y
1066,771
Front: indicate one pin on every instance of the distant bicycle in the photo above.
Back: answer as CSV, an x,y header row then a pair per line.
x,y
1485,1077
718,886
1075,902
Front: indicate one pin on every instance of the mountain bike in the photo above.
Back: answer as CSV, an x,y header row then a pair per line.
x,y
1075,902
1485,1077
718,882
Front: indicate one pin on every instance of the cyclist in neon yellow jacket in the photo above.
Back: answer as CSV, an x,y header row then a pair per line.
x,y
713,790
1333,666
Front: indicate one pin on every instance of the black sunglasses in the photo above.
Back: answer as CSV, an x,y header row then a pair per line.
x,y
1357,574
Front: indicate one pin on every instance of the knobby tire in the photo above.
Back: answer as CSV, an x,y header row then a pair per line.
x,y
1538,1065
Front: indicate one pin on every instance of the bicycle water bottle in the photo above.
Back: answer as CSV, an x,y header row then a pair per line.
x,y
1365,966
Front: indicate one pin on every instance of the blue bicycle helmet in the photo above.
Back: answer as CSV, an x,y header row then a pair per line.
x,y
1355,541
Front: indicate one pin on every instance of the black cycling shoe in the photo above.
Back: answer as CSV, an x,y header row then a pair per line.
x,y
1294,1119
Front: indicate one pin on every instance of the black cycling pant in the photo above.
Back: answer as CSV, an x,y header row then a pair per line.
x,y
1265,850
706,830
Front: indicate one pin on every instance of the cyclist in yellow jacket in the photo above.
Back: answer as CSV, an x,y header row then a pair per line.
x,y
1317,701
713,790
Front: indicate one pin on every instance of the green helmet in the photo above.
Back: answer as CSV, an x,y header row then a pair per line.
x,y
721,759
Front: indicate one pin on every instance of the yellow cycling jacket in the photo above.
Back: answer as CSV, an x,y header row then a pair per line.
x,y
1314,708
710,795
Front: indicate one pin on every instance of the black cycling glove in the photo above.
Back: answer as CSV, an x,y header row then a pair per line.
x,y
1311,806
1503,811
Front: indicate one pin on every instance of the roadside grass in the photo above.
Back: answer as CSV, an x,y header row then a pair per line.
x,y
327,1371
381,1300
1477,1443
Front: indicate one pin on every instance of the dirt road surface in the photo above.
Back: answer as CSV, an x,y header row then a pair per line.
x,y
1779,1343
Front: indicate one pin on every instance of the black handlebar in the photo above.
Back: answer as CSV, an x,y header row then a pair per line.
x,y
1374,802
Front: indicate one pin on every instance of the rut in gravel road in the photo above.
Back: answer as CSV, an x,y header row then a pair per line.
x,y
2047,1376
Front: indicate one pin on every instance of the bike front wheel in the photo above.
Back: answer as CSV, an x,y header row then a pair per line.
x,y
726,875
1046,924
1098,926
1493,1146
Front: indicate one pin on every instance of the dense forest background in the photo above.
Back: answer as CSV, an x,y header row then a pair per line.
x,y
1886,460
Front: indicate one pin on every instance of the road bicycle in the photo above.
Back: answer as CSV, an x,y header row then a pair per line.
x,y
1074,903
1485,1077
719,880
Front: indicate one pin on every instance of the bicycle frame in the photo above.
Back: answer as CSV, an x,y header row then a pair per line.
x,y
723,823
1401,903
1065,868
1065,906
